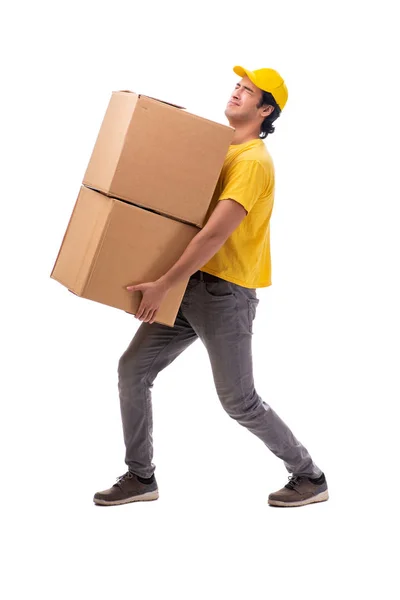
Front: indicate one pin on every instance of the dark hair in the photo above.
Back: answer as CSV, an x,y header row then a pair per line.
x,y
266,125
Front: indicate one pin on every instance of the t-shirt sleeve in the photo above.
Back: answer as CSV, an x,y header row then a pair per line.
x,y
244,182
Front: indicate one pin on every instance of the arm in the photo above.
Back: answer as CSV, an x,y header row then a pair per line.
x,y
223,221
245,181
225,218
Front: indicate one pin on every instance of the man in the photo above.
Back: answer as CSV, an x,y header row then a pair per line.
x,y
226,261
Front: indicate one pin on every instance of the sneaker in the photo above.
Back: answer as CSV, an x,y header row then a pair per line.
x,y
127,489
299,491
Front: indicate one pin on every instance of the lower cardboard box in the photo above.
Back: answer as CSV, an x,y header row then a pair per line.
x,y
110,244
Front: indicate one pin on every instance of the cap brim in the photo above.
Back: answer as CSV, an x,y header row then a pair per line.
x,y
244,72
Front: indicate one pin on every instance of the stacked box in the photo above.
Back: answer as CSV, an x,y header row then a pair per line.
x,y
145,195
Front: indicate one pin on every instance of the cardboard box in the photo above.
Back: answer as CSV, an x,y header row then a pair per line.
x,y
110,244
158,156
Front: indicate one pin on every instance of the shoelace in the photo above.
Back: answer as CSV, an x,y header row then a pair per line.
x,y
293,481
122,478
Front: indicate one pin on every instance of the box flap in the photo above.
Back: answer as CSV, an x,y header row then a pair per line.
x,y
163,101
152,98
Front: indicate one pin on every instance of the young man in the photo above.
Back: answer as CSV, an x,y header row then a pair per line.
x,y
227,260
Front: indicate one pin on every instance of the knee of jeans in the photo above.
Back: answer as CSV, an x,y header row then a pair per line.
x,y
231,402
237,405
129,371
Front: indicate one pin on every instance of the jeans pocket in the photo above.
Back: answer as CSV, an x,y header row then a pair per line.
x,y
252,309
219,289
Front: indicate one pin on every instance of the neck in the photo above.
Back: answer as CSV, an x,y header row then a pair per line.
x,y
244,133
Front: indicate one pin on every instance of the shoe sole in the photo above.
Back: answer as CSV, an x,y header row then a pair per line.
x,y
322,497
141,497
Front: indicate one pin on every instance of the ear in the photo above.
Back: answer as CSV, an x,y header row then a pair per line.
x,y
267,110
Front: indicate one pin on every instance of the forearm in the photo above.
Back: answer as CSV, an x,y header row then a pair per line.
x,y
198,253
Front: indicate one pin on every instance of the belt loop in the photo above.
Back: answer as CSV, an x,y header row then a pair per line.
x,y
201,275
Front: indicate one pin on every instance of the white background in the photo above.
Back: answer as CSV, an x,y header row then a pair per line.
x,y
326,342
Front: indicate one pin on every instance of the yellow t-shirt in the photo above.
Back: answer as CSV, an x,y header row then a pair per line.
x,y
248,177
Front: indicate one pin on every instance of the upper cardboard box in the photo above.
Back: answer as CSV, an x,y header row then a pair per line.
x,y
158,156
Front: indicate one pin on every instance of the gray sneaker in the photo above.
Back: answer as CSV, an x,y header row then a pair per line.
x,y
299,491
127,489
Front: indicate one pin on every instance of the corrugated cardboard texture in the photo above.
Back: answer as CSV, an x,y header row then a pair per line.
x,y
110,244
163,158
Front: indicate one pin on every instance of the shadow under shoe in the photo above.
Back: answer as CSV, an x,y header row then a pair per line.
x,y
127,489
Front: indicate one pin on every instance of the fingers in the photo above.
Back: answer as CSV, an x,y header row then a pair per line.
x,y
153,316
146,315
140,312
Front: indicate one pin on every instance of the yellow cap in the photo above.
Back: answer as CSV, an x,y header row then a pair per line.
x,y
267,80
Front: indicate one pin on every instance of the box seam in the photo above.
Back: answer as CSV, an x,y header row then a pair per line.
x,y
167,215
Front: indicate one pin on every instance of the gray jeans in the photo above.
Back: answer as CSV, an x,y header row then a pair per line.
x,y
221,314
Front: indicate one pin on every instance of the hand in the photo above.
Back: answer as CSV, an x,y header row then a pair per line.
x,y
153,294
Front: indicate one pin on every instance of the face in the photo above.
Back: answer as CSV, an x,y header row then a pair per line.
x,y
242,105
